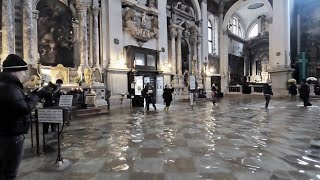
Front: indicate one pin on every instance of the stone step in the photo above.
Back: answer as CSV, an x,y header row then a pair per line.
x,y
85,113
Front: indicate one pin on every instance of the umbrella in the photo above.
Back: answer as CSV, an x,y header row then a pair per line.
x,y
311,79
292,80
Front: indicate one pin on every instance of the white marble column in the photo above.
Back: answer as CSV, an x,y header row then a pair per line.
x,y
173,35
28,31
83,34
179,53
7,29
95,37
280,47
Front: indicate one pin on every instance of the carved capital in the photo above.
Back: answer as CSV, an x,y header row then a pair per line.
x,y
82,5
35,14
173,32
179,32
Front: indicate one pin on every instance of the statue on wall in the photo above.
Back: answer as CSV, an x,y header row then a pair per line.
x,y
152,3
129,14
88,76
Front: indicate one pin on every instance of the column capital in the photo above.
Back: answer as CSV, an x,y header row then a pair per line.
x,y
82,5
179,32
173,31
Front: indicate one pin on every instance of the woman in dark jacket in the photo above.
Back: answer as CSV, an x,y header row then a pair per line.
x,y
293,91
167,96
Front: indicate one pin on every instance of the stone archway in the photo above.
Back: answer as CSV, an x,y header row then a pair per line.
x,y
224,39
56,36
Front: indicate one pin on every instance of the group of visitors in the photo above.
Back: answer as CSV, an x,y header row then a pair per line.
x,y
304,92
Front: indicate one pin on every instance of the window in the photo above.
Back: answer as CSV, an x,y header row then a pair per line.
x,y
210,43
151,61
139,59
234,26
254,31
213,34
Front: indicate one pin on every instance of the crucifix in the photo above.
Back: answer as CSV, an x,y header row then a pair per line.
x,y
303,62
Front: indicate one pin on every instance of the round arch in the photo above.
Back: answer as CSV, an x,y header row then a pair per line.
x,y
240,4
196,5
72,7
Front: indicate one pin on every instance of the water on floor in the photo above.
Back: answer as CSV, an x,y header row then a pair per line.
x,y
237,138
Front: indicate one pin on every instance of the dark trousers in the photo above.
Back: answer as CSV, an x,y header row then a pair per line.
x,y
267,97
11,153
168,103
149,100
306,101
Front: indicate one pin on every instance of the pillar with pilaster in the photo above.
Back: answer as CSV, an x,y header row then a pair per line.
x,y
280,47
7,29
95,34
28,33
179,53
83,34
36,55
173,35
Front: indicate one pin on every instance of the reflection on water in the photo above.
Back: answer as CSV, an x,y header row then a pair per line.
x,y
234,138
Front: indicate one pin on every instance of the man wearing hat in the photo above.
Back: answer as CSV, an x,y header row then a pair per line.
x,y
15,110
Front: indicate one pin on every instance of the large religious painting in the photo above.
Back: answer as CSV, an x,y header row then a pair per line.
x,y
55,33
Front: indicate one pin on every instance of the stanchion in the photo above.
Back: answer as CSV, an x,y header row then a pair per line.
x,y
31,129
37,133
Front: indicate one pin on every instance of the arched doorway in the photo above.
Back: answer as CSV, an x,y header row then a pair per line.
x,y
56,37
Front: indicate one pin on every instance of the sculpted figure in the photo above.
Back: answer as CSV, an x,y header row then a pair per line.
x,y
129,14
154,23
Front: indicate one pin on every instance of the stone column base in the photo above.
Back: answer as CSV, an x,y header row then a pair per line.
x,y
279,83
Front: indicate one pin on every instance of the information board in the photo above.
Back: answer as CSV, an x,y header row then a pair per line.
x,y
50,116
192,82
65,101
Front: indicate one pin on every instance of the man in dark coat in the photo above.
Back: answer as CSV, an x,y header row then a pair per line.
x,y
167,96
148,94
267,92
304,93
15,110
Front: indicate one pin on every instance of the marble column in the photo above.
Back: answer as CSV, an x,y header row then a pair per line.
x,y
83,34
173,35
179,53
7,29
36,55
280,47
28,31
95,37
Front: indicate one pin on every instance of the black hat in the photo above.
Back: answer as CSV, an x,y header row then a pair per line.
x,y
14,63
59,81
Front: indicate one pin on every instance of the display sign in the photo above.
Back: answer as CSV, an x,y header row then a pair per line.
x,y
65,100
50,116
192,82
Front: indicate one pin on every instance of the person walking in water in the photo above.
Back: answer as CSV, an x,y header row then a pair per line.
x,y
304,93
167,96
148,94
293,91
214,91
267,92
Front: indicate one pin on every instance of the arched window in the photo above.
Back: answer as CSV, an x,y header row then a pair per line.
x,y
210,37
254,31
213,35
235,27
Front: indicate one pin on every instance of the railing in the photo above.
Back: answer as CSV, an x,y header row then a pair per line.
x,y
255,89
235,89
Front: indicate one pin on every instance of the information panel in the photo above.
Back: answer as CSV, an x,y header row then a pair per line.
x,y
65,101
50,116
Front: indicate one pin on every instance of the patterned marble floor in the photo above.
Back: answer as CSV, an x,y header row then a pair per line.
x,y
236,139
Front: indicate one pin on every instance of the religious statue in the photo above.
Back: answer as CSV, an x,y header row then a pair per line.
x,y
154,23
88,76
129,14
152,3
